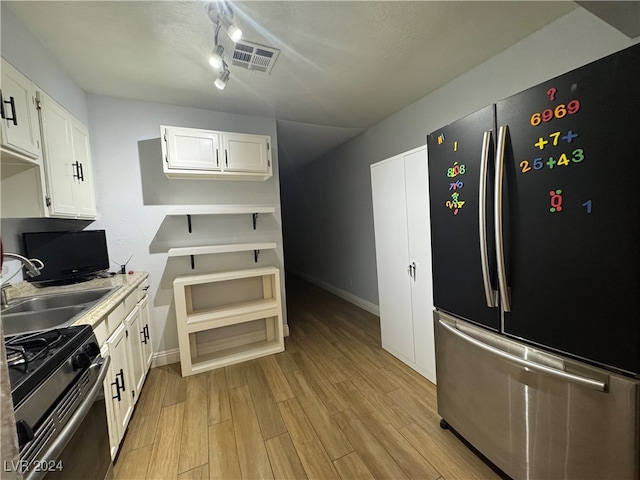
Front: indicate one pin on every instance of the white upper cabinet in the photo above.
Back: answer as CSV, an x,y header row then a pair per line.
x,y
246,153
191,149
20,129
196,153
67,161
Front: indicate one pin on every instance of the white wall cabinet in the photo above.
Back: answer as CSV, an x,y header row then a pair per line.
x,y
67,161
23,182
124,335
203,154
211,307
20,132
403,256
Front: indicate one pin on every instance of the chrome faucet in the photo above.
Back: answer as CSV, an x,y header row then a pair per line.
x,y
32,269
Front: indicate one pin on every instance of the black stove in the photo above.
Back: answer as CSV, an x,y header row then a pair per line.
x,y
33,357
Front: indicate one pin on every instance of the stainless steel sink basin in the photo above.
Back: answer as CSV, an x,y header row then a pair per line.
x,y
46,302
42,312
24,322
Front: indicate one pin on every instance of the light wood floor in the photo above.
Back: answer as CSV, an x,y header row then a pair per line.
x,y
333,405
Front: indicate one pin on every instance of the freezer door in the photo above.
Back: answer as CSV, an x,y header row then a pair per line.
x,y
572,212
460,159
533,414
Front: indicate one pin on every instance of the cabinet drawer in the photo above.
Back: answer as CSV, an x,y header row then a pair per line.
x,y
101,331
142,289
130,302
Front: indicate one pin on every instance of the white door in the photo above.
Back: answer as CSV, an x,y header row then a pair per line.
x,y
60,166
419,228
84,195
20,128
134,345
145,323
122,400
246,153
192,149
392,256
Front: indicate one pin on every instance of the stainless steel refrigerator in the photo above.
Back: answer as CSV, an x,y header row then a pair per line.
x,y
535,212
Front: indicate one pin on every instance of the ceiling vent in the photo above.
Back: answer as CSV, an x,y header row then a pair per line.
x,y
254,57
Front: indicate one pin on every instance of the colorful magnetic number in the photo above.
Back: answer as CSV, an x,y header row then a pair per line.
x,y
555,137
456,185
562,161
455,203
560,111
456,170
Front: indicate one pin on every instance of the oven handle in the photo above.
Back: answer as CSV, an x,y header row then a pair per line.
x,y
78,417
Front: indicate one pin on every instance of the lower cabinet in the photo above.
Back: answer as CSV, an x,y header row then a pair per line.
x,y
129,346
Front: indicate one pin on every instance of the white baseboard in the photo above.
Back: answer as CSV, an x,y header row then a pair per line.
x,y
349,297
166,358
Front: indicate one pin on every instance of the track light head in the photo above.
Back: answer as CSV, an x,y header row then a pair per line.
x,y
233,32
216,60
222,80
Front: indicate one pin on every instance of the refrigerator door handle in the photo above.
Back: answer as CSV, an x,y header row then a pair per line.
x,y
490,294
502,271
527,364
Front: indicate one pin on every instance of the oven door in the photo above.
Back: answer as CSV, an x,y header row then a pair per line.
x,y
81,449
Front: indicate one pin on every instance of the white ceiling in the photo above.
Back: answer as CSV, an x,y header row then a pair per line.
x,y
343,67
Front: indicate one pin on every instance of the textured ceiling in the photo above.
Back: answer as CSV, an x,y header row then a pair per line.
x,y
343,67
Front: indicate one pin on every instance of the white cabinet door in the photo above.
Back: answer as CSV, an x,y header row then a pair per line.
x,y
58,157
20,129
145,324
119,381
109,392
246,153
392,257
84,194
419,230
67,161
191,149
134,350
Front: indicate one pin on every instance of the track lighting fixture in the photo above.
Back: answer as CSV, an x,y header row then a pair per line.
x,y
222,80
221,15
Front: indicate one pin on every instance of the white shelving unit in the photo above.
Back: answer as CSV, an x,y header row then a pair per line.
x,y
209,306
213,249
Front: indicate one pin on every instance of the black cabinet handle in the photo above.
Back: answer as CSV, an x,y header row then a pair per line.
x,y
117,384
76,170
1,105
226,159
11,102
80,172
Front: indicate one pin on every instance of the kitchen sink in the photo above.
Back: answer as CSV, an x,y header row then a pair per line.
x,y
24,322
42,312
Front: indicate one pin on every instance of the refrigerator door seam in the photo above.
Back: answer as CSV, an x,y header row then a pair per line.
x,y
577,379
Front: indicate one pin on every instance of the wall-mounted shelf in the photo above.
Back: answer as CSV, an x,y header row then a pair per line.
x,y
208,307
213,249
190,210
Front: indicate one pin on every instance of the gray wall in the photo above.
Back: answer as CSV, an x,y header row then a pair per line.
x,y
328,217
132,193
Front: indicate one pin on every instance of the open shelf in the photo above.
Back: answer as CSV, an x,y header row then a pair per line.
x,y
228,317
189,210
213,249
